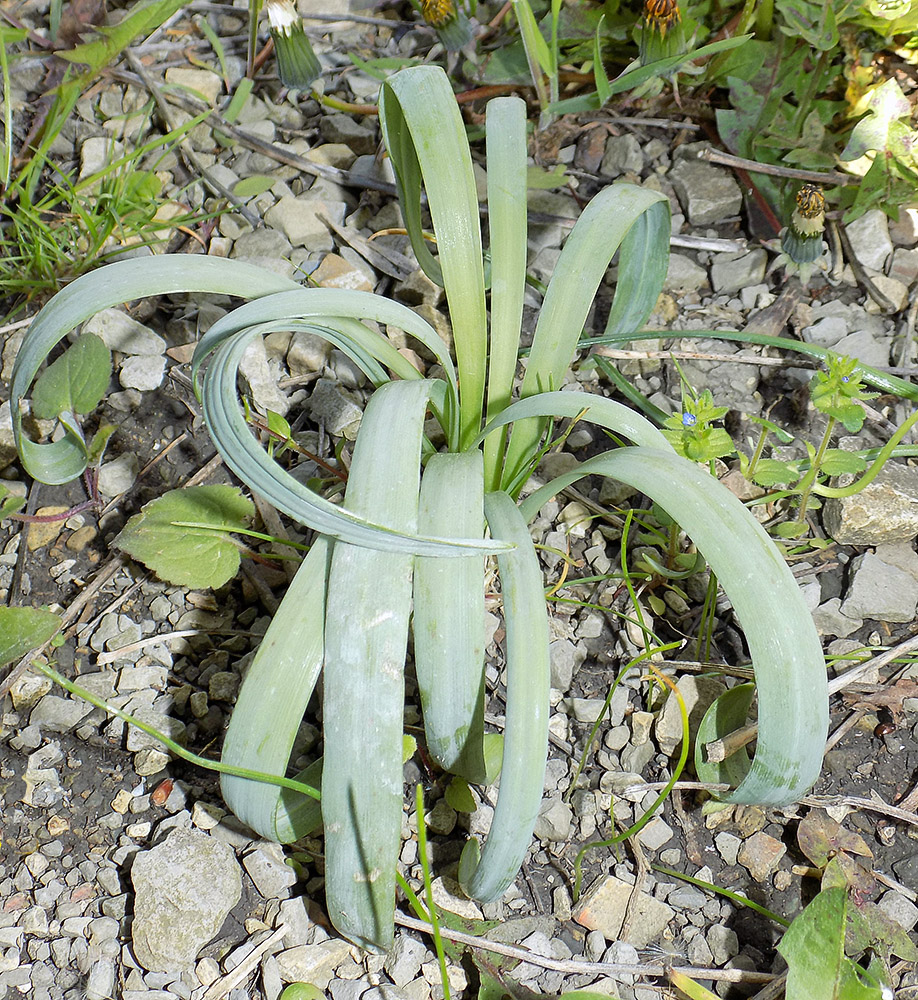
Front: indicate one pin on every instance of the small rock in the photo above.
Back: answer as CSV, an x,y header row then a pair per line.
x,y
336,272
42,533
144,372
301,221
880,591
585,709
256,370
829,620
312,963
307,353
96,153
683,274
404,961
884,511
655,834
150,761
335,407
708,194
623,155
904,266
870,240
101,982
120,332
826,332
760,855
265,247
137,739
343,129
554,820
904,231
268,869
902,910
441,819
204,82
698,693
58,715
723,943
117,477
190,874
565,660
731,272
894,290
27,691
865,346
603,909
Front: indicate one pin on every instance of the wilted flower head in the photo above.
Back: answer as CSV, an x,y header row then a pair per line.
x,y
297,65
661,14
438,13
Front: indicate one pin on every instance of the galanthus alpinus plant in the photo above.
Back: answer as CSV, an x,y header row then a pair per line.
x,y
404,543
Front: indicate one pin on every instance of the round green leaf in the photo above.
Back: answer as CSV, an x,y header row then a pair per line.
x,y
184,535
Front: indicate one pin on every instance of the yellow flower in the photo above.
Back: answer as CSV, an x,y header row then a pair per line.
x,y
438,13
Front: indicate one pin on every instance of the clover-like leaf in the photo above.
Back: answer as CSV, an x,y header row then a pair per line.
x,y
75,382
184,535
820,838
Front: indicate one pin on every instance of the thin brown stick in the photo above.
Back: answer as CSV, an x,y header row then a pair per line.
x,y
871,805
739,162
573,967
719,750
221,988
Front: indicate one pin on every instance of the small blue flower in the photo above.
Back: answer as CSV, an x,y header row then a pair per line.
x,y
689,420
846,378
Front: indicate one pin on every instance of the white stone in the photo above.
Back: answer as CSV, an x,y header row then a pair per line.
x,y
144,372
120,332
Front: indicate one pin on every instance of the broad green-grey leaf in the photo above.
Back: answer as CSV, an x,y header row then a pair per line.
x,y
786,652
486,873
621,215
183,536
63,460
424,131
270,707
593,409
75,382
506,149
24,629
449,617
249,461
366,636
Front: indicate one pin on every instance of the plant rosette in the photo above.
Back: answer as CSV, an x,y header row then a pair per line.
x,y
406,549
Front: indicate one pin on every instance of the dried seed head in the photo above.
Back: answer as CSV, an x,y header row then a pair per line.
x,y
661,14
810,201
438,13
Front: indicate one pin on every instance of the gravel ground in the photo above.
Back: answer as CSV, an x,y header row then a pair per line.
x,y
105,840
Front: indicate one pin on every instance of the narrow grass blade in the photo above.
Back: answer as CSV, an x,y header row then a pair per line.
x,y
786,653
449,614
603,227
273,698
61,461
486,873
418,103
506,149
250,462
883,381
369,600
